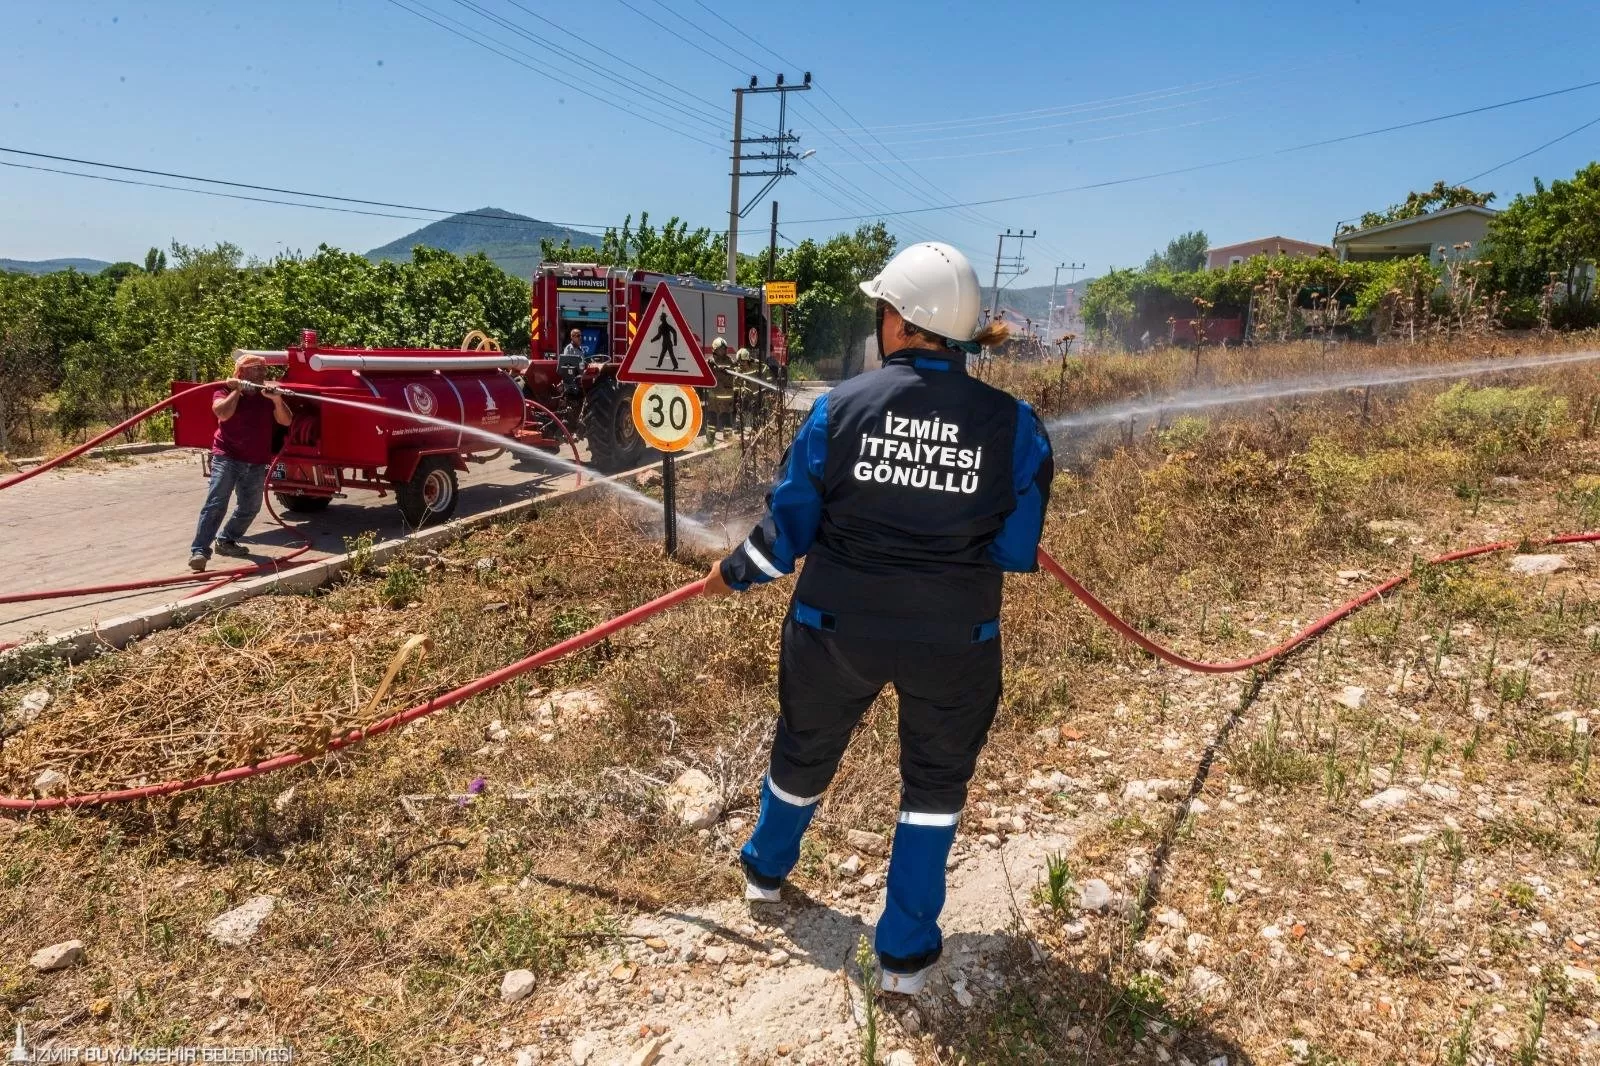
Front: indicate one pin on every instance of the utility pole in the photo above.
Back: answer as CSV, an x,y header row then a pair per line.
x,y
733,191
778,159
1050,321
772,242
1012,265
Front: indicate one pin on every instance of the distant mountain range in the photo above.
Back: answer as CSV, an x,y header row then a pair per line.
x,y
51,266
510,240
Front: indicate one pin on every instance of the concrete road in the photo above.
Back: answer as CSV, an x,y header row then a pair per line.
x,y
112,522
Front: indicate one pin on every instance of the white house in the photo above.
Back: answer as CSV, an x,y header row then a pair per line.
x,y
1423,235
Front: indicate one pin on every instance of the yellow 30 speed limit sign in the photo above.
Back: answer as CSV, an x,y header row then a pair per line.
x,y
666,416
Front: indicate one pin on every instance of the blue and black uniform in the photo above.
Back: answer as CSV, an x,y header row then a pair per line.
x,y
909,490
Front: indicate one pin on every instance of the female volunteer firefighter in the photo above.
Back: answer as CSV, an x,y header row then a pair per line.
x,y
910,490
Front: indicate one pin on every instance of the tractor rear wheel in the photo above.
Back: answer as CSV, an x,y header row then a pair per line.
x,y
614,443
430,496
299,504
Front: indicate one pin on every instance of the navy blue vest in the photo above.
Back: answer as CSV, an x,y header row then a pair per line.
x,y
917,484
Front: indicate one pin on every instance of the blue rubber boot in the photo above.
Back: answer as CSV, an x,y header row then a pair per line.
x,y
908,938
774,846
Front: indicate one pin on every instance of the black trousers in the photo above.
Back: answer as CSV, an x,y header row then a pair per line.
x,y
948,696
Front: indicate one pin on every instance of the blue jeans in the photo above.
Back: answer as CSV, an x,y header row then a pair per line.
x,y
229,477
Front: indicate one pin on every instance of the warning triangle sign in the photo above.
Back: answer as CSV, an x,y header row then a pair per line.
x,y
664,350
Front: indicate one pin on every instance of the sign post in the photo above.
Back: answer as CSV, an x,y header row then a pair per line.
x,y
668,417
665,365
781,294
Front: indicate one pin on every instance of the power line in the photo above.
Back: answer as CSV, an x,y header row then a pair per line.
x,y
862,196
855,150
209,192
719,17
1113,101
970,217
1531,151
1076,141
696,45
1026,130
712,119
741,54
587,43
489,215
1220,162
521,59
1014,116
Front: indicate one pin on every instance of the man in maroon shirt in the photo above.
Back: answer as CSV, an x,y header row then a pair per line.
x,y
246,412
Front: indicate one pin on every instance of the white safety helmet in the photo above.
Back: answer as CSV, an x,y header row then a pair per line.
x,y
934,287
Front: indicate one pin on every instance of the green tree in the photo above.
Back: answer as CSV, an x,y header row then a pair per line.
x,y
1416,204
670,249
831,317
1551,234
1185,252
155,261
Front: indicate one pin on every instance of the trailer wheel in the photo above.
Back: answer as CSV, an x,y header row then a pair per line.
x,y
303,504
614,443
430,496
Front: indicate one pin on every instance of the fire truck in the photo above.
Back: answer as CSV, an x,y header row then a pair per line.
x,y
603,304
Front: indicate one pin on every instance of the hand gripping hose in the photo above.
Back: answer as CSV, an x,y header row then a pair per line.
x,y
356,736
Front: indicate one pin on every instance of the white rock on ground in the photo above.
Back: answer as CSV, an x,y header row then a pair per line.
x,y
1390,799
694,799
1205,984
650,1053
1436,790
517,985
29,706
1351,696
239,926
867,843
1539,564
1095,895
851,866
1393,525
50,783
572,703
57,956
901,1057
582,1051
1152,790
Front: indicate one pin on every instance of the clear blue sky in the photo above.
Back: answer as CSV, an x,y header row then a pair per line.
x,y
360,98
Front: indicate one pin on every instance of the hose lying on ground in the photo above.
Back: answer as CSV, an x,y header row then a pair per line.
x,y
687,592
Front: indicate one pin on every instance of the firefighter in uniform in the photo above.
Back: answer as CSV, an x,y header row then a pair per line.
x,y
720,398
909,490
748,396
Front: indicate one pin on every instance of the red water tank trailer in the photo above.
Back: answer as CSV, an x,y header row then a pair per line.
x,y
331,448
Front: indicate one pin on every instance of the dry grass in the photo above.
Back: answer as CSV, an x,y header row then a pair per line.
x,y
404,900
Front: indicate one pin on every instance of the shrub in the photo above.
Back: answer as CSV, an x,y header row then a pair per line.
x,y
1494,420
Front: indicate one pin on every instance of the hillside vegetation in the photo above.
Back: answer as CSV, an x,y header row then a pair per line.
x,y
508,240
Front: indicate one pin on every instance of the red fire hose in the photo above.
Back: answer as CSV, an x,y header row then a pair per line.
x,y
67,457
211,578
356,736
1106,615
671,599
606,629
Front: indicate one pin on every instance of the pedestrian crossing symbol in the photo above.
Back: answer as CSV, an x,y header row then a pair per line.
x,y
664,350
